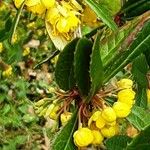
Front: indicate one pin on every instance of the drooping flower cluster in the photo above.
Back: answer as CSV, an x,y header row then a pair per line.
x,y
103,122
62,16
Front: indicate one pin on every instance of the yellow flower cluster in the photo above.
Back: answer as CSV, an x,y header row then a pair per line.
x,y
7,72
85,136
61,15
104,122
148,95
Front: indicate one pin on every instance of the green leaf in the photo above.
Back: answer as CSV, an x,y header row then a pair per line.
x,y
139,118
110,44
141,97
139,71
64,68
141,141
127,54
118,142
64,140
102,13
96,68
81,65
134,8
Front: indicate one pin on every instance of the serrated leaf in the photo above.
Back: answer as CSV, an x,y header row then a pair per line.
x,y
59,41
126,55
102,13
64,68
81,65
141,141
139,118
96,68
110,44
118,142
139,71
64,140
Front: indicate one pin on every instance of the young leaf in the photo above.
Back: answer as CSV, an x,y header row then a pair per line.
x,y
118,142
96,68
126,55
141,141
64,140
139,118
81,65
102,13
64,68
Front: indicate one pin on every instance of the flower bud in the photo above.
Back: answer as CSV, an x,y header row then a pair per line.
x,y
53,113
65,117
98,138
121,109
125,84
126,95
100,122
109,114
39,103
94,117
109,131
49,110
83,137
1,47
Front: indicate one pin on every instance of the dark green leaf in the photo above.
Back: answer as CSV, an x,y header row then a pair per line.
x,y
141,97
139,118
96,68
64,140
81,65
139,71
118,142
126,55
64,68
102,13
141,141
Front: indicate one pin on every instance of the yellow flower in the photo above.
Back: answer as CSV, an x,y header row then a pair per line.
x,y
98,138
109,114
31,25
48,3
126,96
52,16
100,122
83,137
122,110
7,72
14,38
65,117
35,6
125,84
1,47
26,51
148,95
18,3
109,131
